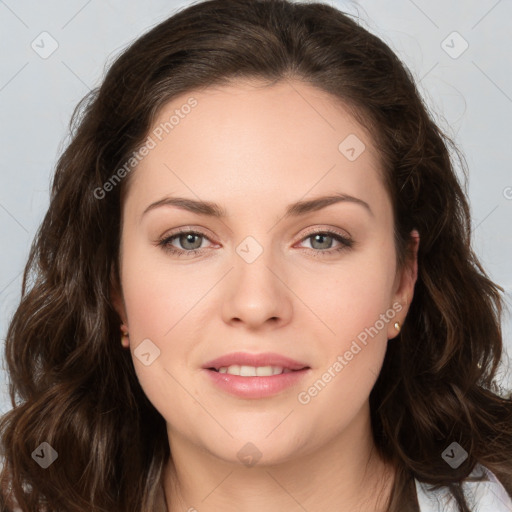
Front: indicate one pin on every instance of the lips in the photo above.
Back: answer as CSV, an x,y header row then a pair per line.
x,y
255,360
248,376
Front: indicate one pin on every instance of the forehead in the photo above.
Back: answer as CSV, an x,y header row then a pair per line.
x,y
252,136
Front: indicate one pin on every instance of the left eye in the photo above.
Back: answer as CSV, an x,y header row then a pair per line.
x,y
322,236
186,240
191,242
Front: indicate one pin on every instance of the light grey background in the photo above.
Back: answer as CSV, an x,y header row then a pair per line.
x,y
470,94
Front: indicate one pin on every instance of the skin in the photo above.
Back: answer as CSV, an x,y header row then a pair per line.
x,y
254,150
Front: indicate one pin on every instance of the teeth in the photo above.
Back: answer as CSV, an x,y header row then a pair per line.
x,y
253,371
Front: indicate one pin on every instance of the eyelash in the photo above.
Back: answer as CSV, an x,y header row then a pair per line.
x,y
346,243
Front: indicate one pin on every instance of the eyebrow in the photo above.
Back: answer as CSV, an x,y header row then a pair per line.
x,y
293,210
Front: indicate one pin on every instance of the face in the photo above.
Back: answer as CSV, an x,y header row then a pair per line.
x,y
316,284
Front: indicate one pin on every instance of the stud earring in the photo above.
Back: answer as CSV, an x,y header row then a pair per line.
x,y
397,326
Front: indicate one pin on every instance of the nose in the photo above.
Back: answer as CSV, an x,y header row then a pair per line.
x,y
256,293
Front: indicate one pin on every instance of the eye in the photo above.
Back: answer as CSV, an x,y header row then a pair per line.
x,y
321,242
188,240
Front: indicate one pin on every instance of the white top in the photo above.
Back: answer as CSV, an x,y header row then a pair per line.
x,y
487,496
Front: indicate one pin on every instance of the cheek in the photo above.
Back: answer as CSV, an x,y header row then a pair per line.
x,y
357,312
356,309
351,296
160,305
158,293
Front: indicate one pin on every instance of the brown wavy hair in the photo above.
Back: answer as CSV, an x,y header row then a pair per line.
x,y
71,383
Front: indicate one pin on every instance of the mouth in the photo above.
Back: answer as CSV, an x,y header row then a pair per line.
x,y
254,371
255,376
245,364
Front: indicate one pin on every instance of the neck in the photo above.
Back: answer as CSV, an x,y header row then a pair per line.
x,y
344,474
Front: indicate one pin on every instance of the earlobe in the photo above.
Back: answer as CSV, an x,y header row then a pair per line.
x,y
395,324
125,340
407,280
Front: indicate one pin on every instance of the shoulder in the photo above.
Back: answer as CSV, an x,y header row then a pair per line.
x,y
485,495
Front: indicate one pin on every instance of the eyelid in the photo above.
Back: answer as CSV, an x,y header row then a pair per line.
x,y
185,230
330,230
200,231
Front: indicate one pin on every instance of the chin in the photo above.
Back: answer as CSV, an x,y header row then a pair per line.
x,y
256,448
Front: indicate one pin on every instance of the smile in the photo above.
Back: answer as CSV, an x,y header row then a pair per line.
x,y
253,371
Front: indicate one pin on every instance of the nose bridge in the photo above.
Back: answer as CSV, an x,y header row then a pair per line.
x,y
256,292
255,258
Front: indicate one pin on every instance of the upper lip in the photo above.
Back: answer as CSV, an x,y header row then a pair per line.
x,y
247,359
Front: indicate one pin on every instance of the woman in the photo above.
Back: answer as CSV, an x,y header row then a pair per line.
x,y
256,368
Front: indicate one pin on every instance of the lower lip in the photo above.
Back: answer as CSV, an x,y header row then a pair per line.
x,y
256,387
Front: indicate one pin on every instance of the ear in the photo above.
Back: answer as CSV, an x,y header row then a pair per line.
x,y
404,284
